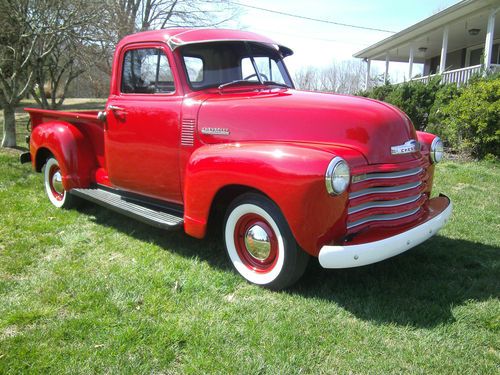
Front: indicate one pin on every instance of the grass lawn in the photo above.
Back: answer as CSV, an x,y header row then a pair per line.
x,y
90,291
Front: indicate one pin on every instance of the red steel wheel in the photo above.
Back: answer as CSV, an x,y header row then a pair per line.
x,y
256,243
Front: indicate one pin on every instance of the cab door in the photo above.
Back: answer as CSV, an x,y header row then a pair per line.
x,y
143,124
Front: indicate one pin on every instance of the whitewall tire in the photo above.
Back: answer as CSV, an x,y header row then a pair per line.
x,y
56,193
260,244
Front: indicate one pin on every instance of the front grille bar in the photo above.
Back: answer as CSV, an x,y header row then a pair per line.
x,y
385,190
386,175
382,218
380,204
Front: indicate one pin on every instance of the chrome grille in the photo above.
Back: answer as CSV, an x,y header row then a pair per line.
x,y
378,198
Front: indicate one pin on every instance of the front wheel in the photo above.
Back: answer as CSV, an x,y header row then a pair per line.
x,y
54,187
260,243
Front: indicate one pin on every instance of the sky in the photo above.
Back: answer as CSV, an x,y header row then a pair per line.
x,y
319,44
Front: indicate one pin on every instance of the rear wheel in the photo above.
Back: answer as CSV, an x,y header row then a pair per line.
x,y
260,243
54,188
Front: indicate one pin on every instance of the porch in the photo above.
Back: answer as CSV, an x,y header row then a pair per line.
x,y
458,76
456,43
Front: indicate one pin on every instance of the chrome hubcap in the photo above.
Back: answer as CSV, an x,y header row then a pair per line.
x,y
257,242
57,183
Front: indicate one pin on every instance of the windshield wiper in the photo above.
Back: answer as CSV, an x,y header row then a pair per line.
x,y
244,81
238,82
276,84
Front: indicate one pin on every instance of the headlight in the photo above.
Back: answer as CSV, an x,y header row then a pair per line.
x,y
337,176
436,150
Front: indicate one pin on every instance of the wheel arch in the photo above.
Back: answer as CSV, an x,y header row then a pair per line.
x,y
223,199
42,154
68,144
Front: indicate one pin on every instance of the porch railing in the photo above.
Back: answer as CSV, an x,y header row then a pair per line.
x,y
458,76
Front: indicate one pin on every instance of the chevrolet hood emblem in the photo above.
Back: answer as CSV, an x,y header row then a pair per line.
x,y
406,148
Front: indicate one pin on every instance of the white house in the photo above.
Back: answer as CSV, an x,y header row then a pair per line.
x,y
456,43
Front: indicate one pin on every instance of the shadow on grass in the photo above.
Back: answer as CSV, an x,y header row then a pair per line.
x,y
418,288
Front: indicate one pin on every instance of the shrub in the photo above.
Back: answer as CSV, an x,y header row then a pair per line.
x,y
378,92
445,94
471,121
414,98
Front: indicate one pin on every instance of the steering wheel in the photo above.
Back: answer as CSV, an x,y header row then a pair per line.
x,y
255,75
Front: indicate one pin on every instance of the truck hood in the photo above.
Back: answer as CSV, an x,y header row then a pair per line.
x,y
369,126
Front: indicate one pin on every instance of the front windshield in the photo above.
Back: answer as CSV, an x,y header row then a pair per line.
x,y
219,63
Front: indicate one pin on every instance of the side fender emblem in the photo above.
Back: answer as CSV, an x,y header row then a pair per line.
x,y
215,131
406,148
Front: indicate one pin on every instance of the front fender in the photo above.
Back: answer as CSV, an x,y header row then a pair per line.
x,y
291,175
69,146
425,140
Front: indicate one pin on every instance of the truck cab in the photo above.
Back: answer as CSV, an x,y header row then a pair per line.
x,y
206,125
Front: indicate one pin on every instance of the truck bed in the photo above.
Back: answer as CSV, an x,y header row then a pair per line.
x,y
85,121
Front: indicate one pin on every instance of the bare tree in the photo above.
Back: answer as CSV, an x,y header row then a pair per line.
x,y
307,78
32,31
345,77
130,16
54,72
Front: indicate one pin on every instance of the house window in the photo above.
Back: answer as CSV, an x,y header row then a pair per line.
x,y
146,71
476,55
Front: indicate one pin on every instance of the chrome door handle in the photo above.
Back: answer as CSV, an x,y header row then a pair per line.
x,y
115,108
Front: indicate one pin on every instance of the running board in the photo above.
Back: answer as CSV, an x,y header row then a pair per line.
x,y
160,217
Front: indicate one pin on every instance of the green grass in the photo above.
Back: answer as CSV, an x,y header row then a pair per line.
x,y
90,291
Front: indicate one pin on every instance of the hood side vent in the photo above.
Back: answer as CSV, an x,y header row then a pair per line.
x,y
187,132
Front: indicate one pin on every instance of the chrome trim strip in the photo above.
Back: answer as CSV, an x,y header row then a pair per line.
x,y
386,175
383,190
383,204
388,217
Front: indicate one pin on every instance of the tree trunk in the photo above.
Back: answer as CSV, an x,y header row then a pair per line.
x,y
9,126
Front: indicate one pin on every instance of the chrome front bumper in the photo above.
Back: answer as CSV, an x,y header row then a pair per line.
x,y
371,252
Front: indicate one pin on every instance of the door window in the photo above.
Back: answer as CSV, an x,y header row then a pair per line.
x,y
146,71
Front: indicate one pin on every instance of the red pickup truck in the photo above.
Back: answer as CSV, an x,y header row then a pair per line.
x,y
205,125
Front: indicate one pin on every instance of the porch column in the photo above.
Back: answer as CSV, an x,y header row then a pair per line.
x,y
444,51
410,61
386,74
488,43
367,80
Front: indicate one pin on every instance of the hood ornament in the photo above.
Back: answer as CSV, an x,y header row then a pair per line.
x,y
406,148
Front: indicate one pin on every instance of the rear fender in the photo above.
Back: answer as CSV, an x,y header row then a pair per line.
x,y
69,146
291,175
